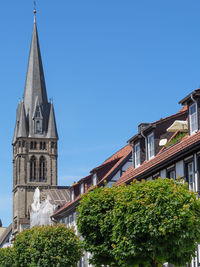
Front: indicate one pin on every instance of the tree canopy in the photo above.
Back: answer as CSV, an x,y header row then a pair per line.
x,y
45,246
6,257
145,222
95,223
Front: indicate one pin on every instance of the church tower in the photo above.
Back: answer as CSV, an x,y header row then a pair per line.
x,y
35,140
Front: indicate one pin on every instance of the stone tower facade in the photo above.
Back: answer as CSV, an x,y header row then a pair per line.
x,y
35,140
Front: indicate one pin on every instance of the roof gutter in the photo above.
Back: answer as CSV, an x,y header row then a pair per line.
x,y
179,156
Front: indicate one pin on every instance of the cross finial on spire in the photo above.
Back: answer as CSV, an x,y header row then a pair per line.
x,y
34,11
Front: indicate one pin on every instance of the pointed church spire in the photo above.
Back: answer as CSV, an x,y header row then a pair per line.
x,y
35,83
52,129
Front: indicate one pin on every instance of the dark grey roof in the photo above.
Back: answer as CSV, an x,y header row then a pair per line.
x,y
22,128
35,99
52,129
58,196
17,122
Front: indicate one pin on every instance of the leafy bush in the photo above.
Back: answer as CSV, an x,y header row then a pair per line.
x,y
45,246
95,223
6,257
142,223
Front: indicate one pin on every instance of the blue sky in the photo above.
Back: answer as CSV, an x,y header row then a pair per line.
x,y
109,65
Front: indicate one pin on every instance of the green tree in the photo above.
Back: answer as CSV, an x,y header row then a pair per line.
x,y
6,257
142,223
95,223
45,246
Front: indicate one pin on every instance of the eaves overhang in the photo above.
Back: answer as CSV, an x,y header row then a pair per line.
x,y
173,159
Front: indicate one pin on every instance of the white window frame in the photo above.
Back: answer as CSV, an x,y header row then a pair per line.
x,y
72,194
193,118
94,179
82,188
148,146
137,154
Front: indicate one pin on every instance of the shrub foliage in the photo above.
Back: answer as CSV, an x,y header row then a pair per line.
x,y
44,246
6,257
145,222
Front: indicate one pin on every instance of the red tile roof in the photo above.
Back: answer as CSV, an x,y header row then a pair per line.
x,y
186,142
118,157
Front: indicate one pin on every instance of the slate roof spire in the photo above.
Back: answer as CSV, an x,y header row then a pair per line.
x,y
22,130
52,129
35,88
35,115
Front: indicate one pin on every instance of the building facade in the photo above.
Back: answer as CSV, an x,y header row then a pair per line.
x,y
169,147
35,140
107,173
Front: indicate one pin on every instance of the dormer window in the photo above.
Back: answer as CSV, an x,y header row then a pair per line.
x,y
72,195
150,146
137,155
82,189
193,118
94,179
37,127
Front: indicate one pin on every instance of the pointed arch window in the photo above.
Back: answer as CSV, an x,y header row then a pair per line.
x,y
33,169
42,169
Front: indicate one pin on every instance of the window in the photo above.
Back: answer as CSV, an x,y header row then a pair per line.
x,y
16,174
37,127
67,220
193,118
150,146
71,219
137,155
42,145
72,195
171,174
82,188
33,145
190,175
42,169
53,144
94,179
33,169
